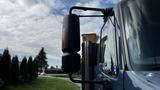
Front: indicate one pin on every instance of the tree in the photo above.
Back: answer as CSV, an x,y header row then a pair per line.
x,y
24,70
30,68
52,67
5,63
35,69
1,67
15,70
1,56
41,58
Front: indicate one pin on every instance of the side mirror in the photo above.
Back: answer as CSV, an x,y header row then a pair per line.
x,y
71,34
71,62
71,44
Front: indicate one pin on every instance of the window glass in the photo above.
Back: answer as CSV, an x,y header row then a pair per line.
x,y
142,25
109,47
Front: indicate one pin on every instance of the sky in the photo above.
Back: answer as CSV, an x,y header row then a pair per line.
x,y
28,25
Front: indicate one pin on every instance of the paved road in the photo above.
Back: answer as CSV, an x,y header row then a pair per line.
x,y
67,79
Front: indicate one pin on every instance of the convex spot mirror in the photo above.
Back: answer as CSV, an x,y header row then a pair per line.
x,y
71,62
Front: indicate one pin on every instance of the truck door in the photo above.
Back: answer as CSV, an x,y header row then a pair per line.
x,y
142,23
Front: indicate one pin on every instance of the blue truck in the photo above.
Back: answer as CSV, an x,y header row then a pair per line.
x,y
127,54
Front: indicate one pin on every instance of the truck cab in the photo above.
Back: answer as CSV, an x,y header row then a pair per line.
x,y
127,56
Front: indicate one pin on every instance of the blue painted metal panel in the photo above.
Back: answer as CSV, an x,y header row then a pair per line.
x,y
142,80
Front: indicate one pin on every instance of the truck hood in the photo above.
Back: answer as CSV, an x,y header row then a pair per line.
x,y
143,80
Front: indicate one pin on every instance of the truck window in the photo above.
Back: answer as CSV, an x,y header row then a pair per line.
x,y
109,48
142,24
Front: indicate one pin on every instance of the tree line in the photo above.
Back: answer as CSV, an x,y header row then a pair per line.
x,y
12,71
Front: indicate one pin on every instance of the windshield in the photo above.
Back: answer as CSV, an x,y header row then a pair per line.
x,y
142,25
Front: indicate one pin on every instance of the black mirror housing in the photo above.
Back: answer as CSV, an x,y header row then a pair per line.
x,y
71,33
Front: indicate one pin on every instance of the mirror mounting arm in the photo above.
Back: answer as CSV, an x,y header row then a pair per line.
x,y
106,12
85,9
88,81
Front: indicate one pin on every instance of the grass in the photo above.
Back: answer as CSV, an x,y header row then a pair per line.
x,y
64,75
44,83
59,75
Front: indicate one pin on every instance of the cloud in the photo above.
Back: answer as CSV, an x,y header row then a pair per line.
x,y
39,10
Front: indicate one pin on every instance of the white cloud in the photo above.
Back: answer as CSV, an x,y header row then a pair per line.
x,y
39,10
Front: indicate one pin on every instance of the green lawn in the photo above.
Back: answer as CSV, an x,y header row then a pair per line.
x,y
59,75
64,75
44,83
